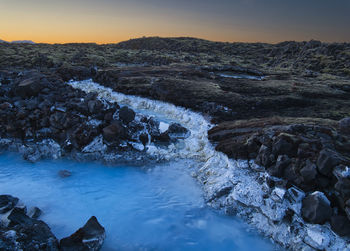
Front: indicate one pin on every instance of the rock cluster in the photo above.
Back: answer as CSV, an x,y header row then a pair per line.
x,y
314,158
21,230
51,119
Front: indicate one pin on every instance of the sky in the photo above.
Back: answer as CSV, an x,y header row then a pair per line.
x,y
111,21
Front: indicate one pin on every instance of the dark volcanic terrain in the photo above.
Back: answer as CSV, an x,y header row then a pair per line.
x,y
284,106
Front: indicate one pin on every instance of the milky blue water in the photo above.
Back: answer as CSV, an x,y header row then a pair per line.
x,y
161,208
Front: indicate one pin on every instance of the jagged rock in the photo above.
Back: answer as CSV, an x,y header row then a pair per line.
x,y
316,208
126,114
344,125
35,212
340,225
326,161
7,202
31,234
89,237
264,158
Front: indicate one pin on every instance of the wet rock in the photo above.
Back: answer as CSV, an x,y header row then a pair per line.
x,y
176,128
326,161
161,138
89,237
344,125
7,202
316,208
126,114
64,173
32,234
341,225
34,212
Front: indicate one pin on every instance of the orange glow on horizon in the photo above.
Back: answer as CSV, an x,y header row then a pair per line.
x,y
101,22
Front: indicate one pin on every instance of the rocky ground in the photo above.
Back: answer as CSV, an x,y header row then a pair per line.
x,y
20,229
284,107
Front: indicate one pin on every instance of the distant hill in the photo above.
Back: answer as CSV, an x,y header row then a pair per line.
x,y
312,55
18,41
22,42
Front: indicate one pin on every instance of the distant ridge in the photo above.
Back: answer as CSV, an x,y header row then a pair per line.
x,y
22,42
18,41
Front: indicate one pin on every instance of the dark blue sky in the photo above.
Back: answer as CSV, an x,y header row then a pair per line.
x,y
222,20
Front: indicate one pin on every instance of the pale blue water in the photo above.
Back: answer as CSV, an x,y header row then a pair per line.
x,y
156,209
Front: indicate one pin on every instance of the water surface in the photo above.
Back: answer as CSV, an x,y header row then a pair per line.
x,y
161,208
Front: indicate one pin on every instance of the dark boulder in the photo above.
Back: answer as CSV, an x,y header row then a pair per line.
x,y
144,138
316,208
95,106
265,157
89,237
283,161
309,171
126,114
30,84
32,234
285,144
341,225
114,131
343,187
35,212
83,135
68,72
176,128
327,160
161,138
7,202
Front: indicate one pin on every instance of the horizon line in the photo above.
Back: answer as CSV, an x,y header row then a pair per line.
x,y
29,41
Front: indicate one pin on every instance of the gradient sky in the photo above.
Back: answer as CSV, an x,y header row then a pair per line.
x,y
109,21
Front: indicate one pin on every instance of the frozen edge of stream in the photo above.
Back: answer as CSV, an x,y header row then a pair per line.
x,y
230,185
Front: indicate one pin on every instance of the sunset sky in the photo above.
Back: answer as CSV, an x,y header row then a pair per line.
x,y
110,21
